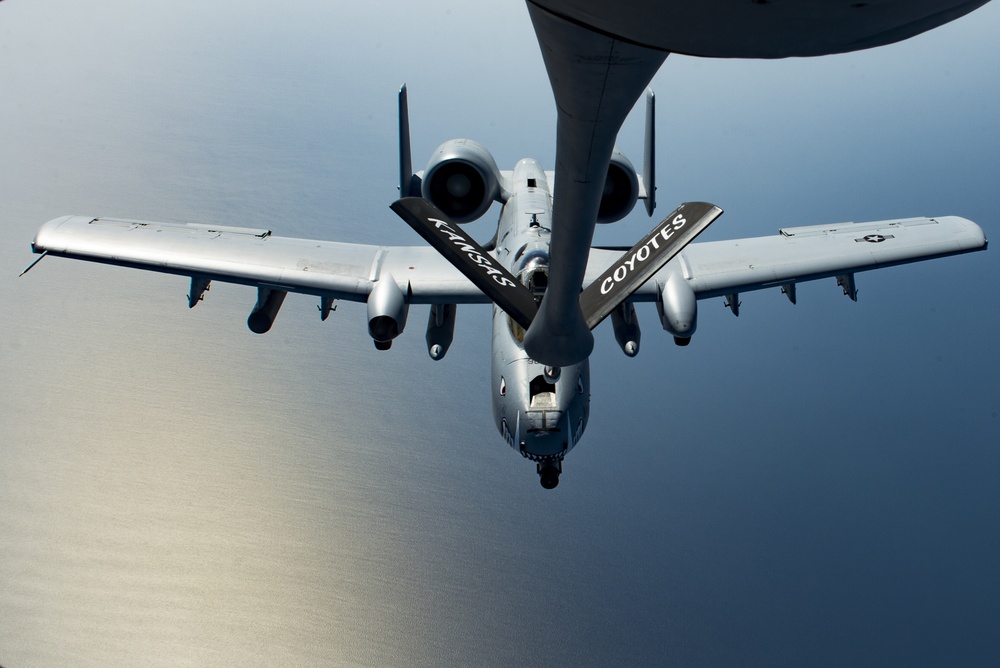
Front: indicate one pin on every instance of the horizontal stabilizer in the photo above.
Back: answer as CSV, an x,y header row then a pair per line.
x,y
468,257
638,264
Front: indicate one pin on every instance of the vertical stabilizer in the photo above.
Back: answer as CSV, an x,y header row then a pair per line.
x,y
406,176
649,152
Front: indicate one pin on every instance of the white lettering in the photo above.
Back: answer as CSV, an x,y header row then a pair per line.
x,y
643,252
474,255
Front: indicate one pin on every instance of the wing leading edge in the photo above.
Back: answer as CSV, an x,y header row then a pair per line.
x,y
350,272
255,257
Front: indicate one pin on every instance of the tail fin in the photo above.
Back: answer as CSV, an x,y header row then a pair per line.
x,y
409,183
649,153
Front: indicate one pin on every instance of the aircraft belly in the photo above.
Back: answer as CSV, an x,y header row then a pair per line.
x,y
744,29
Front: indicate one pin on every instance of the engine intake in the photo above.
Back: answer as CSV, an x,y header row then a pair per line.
x,y
461,179
621,190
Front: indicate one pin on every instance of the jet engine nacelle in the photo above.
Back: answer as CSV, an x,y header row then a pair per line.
x,y
678,308
387,309
621,190
461,179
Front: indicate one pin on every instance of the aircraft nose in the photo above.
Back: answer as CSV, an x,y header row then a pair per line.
x,y
546,434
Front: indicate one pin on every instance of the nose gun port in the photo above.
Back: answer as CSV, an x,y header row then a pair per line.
x,y
548,473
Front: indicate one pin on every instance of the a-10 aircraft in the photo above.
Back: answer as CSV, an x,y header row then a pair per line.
x,y
541,410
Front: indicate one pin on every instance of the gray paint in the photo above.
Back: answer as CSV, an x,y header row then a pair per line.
x,y
389,279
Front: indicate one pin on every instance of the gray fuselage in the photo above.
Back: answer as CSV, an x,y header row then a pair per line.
x,y
541,412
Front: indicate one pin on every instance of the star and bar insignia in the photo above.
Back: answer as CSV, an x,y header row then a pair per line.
x,y
875,238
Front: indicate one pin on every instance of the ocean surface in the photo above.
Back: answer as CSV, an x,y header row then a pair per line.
x,y
808,485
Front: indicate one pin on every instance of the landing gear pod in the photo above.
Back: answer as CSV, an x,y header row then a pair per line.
x,y
626,328
268,303
387,310
440,329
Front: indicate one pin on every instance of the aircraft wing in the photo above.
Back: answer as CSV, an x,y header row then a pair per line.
x,y
800,254
255,257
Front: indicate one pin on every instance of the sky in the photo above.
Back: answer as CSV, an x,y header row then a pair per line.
x,y
808,484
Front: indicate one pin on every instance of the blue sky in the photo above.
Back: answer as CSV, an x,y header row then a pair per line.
x,y
807,484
